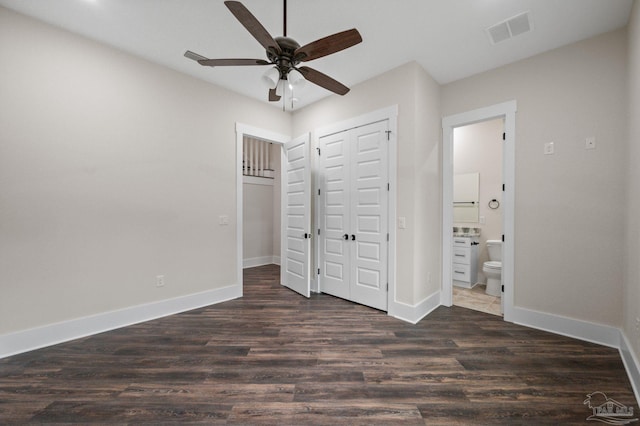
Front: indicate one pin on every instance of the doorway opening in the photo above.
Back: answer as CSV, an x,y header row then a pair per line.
x,y
477,215
251,164
505,113
294,213
261,202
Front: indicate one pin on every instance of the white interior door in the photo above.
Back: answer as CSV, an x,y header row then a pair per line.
x,y
334,213
369,215
354,214
296,217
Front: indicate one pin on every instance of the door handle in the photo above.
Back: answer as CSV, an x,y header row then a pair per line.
x,y
345,236
353,237
307,236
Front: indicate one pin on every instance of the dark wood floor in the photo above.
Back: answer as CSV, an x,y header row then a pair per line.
x,y
274,357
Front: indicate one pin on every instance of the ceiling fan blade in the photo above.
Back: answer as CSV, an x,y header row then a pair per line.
x,y
273,97
192,55
232,62
252,25
323,80
328,45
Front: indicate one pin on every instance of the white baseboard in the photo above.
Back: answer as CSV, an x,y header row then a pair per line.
x,y
252,262
631,364
463,284
52,334
583,330
415,313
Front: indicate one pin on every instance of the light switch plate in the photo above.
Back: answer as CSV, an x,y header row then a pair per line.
x,y
549,148
402,222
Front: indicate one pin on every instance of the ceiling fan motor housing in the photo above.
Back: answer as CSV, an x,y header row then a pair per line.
x,y
285,59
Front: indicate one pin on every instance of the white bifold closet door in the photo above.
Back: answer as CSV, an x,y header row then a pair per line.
x,y
296,217
354,199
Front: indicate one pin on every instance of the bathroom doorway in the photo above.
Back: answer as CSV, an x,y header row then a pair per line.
x,y
477,215
504,202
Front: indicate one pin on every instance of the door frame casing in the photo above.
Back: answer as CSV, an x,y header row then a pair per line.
x,y
390,114
506,110
243,130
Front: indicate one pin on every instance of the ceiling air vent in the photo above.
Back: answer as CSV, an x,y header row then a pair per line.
x,y
510,28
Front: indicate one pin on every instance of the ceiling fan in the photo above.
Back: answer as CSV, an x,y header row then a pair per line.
x,y
285,54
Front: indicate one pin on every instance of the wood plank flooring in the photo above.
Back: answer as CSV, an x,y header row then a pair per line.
x,y
274,357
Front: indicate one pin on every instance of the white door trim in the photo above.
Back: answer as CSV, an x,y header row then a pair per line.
x,y
243,130
390,114
507,110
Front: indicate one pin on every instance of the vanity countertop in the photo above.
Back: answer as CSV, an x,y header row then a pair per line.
x,y
464,231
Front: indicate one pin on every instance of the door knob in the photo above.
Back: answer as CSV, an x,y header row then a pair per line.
x,y
353,237
345,236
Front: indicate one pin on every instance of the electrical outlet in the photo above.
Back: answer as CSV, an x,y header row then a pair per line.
x,y
590,143
549,148
638,325
428,277
160,281
223,220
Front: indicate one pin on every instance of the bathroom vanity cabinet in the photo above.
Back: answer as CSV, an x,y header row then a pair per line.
x,y
465,261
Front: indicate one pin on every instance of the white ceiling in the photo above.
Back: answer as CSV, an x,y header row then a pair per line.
x,y
446,37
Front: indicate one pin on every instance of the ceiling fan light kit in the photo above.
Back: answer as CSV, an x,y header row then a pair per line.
x,y
295,79
285,54
271,77
280,88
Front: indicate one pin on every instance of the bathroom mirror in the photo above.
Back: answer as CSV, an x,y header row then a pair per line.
x,y
466,199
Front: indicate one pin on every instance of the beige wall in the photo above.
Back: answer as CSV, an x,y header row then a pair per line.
x,y
569,207
417,96
427,189
477,148
261,213
257,220
112,170
632,270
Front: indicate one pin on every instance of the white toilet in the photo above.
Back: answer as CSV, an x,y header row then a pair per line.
x,y
493,268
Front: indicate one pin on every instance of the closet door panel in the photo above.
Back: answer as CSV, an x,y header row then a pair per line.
x,y
334,198
369,213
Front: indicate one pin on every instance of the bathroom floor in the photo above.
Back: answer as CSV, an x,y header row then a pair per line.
x,y
475,298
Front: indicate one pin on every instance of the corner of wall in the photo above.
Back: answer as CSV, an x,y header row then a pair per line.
x,y
414,313
631,364
631,287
